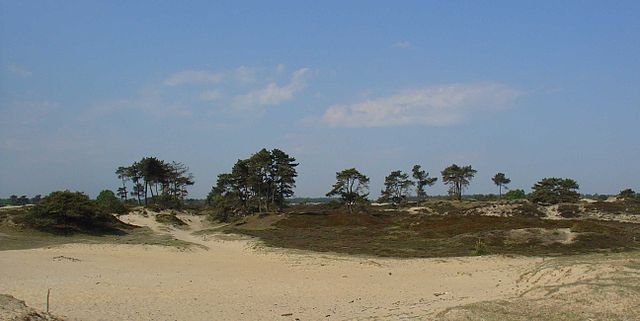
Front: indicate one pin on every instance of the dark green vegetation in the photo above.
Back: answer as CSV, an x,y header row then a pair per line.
x,y
422,180
108,201
554,190
70,212
456,230
501,180
458,178
16,235
260,183
396,188
22,200
627,194
169,181
352,187
515,194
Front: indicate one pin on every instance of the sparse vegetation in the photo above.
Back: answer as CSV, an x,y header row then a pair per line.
x,y
450,230
170,219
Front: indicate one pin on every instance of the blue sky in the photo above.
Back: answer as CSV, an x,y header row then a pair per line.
x,y
530,88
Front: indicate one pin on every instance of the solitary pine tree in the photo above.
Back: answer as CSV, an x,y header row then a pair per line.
x,y
500,179
351,186
422,180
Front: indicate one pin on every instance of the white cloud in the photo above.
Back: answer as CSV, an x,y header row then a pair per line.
x,y
402,44
193,77
245,74
148,100
437,106
210,95
19,71
273,94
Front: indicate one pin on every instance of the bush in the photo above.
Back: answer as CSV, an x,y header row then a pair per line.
x,y
515,194
627,194
569,210
555,190
108,201
69,211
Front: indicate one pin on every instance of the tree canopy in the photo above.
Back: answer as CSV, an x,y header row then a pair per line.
x,y
458,178
500,179
422,180
396,187
351,186
552,190
260,183
169,181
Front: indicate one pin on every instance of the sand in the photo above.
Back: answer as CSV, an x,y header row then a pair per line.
x,y
236,279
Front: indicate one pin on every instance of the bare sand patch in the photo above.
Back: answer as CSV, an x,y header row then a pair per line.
x,y
232,280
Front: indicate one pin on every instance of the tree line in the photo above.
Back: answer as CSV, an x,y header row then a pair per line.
x,y
150,176
259,183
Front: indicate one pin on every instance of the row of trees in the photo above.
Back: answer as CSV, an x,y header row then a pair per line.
x,y
352,186
257,184
151,176
22,200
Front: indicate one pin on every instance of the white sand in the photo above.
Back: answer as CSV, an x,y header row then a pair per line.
x,y
234,280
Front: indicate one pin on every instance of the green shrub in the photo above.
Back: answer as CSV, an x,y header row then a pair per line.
x,y
67,211
108,201
554,190
627,194
515,194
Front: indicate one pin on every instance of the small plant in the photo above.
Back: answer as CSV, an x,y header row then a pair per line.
x,y
480,248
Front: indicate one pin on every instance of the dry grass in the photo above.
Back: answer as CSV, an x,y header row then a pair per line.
x,y
590,287
399,234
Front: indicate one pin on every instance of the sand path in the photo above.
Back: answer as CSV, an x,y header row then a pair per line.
x,y
235,280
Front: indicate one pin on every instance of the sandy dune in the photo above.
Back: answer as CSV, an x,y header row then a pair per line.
x,y
234,279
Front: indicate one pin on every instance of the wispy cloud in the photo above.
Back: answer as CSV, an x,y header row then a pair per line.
x,y
210,95
273,94
436,106
149,100
245,75
193,77
28,112
401,44
19,71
